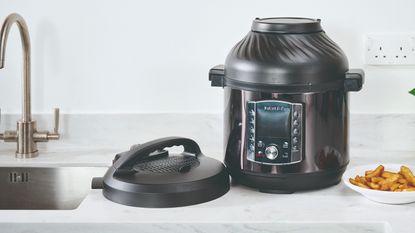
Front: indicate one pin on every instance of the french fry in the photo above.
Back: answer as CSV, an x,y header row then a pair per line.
x,y
394,186
384,187
389,183
362,180
403,186
390,179
358,183
407,173
379,179
376,172
369,171
402,181
373,185
386,174
358,179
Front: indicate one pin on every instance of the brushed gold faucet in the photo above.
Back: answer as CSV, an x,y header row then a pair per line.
x,y
26,134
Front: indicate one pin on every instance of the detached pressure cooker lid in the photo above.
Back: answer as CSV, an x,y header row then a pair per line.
x,y
285,54
149,176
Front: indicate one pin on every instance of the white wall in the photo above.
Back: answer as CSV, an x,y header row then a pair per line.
x,y
153,56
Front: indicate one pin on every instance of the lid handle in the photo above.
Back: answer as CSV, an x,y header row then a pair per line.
x,y
354,80
128,159
217,76
97,183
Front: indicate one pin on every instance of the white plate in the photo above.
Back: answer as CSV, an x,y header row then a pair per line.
x,y
386,197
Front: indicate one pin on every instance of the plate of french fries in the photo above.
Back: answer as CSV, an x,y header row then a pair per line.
x,y
387,183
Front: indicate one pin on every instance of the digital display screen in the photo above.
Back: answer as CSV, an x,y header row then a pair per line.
x,y
273,120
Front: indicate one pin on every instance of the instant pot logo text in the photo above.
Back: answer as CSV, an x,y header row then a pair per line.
x,y
275,108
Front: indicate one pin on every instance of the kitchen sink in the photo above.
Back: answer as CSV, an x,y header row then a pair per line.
x,y
46,188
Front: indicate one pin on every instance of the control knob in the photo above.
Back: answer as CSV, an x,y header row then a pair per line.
x,y
271,152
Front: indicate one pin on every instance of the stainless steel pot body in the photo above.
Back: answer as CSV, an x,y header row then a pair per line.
x,y
325,137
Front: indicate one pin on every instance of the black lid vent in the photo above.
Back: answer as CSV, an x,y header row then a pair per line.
x,y
286,25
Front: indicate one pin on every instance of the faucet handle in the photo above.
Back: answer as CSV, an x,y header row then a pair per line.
x,y
44,136
8,135
56,120
55,135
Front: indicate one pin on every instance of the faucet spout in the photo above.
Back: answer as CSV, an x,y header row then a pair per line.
x,y
27,136
24,35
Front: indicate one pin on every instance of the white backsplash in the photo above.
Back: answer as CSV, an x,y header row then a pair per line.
x,y
154,56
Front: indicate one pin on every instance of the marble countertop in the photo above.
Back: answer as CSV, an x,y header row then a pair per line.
x,y
334,209
329,209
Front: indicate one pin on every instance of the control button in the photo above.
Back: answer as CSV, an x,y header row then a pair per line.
x,y
295,140
252,147
252,112
271,152
285,145
295,131
295,148
295,123
260,144
295,114
259,154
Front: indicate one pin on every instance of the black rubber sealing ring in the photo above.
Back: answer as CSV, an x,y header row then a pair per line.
x,y
286,88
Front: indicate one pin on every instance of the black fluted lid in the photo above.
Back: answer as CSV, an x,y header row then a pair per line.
x,y
286,54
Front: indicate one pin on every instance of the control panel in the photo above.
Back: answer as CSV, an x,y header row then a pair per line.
x,y
274,132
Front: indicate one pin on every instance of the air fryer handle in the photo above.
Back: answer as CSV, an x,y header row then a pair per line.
x,y
129,158
354,80
217,76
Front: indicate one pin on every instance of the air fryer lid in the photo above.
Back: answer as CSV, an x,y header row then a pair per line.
x,y
149,176
286,55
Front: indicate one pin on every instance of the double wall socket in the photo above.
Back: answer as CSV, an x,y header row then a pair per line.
x,y
390,49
